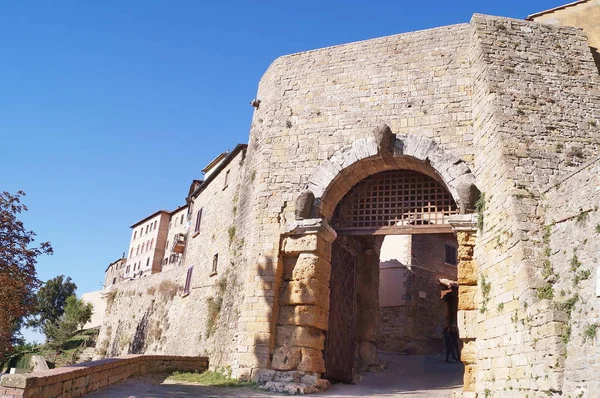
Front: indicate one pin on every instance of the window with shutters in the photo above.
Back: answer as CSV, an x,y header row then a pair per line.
x,y
188,281
198,221
215,265
226,179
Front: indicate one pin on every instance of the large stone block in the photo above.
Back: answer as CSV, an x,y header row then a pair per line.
x,y
467,272
465,238
312,361
311,243
310,266
300,336
465,252
304,315
467,324
466,297
310,292
286,358
468,354
470,378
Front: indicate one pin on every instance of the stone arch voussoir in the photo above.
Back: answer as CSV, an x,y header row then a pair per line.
x,y
356,161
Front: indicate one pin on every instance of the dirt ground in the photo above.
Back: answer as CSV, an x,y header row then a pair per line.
x,y
404,376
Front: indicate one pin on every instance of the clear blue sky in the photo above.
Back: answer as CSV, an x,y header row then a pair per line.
x,y
109,109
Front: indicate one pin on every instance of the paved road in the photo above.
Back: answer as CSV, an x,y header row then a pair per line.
x,y
405,376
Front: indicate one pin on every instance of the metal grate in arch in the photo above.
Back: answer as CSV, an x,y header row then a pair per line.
x,y
396,198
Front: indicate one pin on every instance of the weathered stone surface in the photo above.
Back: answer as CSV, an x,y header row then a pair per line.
x,y
384,139
470,378
465,252
304,315
312,361
467,273
467,324
468,354
286,358
466,297
304,205
300,336
310,266
306,292
466,238
467,196
311,243
38,363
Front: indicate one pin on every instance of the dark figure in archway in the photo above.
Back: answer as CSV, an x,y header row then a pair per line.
x,y
451,340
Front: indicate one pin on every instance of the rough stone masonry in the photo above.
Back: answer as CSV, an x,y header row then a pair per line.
x,y
504,107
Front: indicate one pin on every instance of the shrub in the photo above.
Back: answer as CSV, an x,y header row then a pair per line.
x,y
589,333
168,290
545,292
213,305
110,299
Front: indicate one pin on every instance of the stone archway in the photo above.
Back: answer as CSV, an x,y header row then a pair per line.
x,y
306,247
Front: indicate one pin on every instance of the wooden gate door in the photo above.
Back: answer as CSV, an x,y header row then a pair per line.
x,y
340,343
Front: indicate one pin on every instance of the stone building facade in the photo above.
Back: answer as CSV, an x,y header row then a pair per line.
x,y
179,225
147,245
501,117
115,272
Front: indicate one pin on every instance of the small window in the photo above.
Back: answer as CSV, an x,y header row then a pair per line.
x,y
131,254
451,255
198,221
170,225
226,179
127,270
215,264
143,247
147,226
188,281
137,251
148,262
134,234
181,222
114,281
154,225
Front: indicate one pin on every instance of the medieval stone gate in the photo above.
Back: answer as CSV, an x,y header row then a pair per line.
x,y
392,186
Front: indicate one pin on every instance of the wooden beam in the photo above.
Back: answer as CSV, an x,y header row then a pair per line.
x,y
397,230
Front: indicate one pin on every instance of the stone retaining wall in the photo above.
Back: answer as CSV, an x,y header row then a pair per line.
x,y
75,381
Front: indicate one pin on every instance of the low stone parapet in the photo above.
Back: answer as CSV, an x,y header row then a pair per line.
x,y
77,380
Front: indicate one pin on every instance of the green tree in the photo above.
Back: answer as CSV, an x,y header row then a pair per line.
x,y
77,313
18,279
51,300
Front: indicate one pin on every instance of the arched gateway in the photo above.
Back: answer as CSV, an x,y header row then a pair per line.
x,y
380,185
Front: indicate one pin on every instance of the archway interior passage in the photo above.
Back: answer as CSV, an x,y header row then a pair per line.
x,y
395,202
385,291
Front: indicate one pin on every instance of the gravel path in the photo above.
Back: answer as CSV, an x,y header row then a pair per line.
x,y
404,376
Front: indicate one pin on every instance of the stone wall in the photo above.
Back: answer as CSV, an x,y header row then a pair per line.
x,y
570,241
154,315
78,380
535,93
98,301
